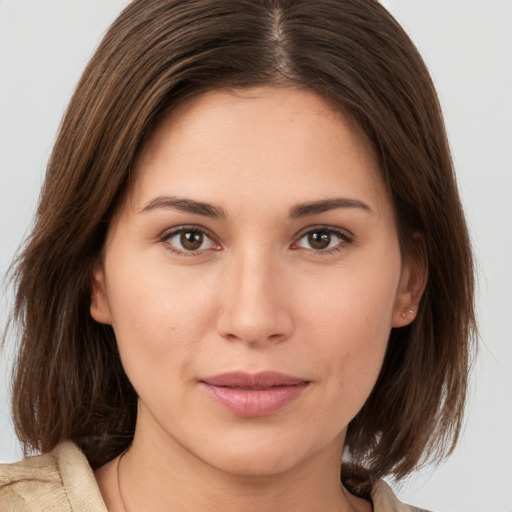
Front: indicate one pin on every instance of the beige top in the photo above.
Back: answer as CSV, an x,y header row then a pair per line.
x,y
63,481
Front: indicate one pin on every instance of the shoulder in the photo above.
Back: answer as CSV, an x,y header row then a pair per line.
x,y
60,480
385,500
33,483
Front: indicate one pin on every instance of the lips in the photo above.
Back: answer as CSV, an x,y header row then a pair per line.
x,y
259,394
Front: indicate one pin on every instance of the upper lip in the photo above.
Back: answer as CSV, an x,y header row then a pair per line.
x,y
264,379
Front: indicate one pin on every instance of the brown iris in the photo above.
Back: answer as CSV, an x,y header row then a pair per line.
x,y
319,239
191,240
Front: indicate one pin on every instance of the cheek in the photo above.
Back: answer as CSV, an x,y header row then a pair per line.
x,y
349,320
159,319
353,302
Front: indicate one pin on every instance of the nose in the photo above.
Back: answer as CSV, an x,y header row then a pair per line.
x,y
255,307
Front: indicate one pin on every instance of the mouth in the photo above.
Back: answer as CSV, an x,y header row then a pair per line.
x,y
253,395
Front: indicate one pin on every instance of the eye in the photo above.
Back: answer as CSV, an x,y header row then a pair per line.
x,y
189,240
323,240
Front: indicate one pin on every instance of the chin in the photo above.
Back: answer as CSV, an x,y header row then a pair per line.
x,y
268,455
261,464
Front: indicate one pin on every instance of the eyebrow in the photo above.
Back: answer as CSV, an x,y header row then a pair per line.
x,y
185,205
215,212
324,205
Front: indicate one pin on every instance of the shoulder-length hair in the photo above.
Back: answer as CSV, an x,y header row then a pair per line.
x,y
69,382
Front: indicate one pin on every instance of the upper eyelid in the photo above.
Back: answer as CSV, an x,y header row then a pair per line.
x,y
324,227
190,227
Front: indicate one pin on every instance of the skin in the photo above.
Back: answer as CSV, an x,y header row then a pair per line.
x,y
255,296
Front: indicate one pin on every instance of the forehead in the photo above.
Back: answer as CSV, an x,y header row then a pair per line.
x,y
285,143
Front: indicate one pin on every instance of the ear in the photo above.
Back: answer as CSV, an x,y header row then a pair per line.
x,y
100,309
412,285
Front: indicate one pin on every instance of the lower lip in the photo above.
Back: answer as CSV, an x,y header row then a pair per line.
x,y
258,402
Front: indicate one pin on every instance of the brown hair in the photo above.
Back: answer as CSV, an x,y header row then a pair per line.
x,y
69,382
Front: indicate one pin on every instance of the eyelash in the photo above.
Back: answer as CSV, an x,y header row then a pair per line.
x,y
343,237
167,236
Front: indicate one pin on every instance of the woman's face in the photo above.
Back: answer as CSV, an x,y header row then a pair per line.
x,y
252,277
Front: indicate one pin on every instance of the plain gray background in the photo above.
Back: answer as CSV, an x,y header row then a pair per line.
x,y
468,48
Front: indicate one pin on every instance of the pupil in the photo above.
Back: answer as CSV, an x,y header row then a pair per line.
x,y
191,240
319,240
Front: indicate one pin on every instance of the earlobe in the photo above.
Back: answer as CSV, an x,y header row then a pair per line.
x,y
412,285
100,309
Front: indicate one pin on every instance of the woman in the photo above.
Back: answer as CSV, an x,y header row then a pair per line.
x,y
249,268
